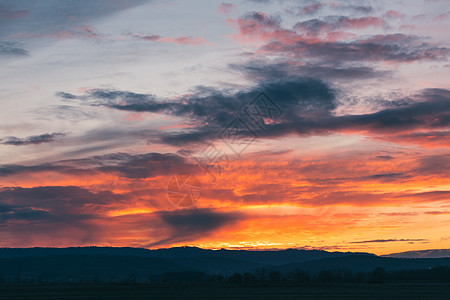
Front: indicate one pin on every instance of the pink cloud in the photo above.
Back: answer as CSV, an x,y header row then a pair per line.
x,y
182,40
153,37
393,14
312,8
361,23
87,32
443,17
84,31
225,8
420,17
336,36
258,26
63,34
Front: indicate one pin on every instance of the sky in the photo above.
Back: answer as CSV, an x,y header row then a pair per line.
x,y
264,124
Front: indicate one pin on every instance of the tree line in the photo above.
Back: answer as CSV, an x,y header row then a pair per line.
x,y
259,276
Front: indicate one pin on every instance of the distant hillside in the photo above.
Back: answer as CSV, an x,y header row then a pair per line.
x,y
274,257
188,264
434,253
360,263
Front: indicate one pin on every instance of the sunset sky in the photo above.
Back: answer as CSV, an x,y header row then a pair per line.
x,y
104,102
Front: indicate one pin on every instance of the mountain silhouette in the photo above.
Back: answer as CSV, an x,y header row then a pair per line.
x,y
90,264
433,253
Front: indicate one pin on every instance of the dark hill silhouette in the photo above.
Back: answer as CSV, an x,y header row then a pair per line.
x,y
365,263
433,253
272,257
185,264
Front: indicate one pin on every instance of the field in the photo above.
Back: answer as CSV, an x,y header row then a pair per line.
x,y
145,291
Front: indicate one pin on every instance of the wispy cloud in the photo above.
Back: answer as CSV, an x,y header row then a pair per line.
x,y
33,139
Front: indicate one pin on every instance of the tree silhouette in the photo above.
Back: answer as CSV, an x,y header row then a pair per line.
x,y
236,278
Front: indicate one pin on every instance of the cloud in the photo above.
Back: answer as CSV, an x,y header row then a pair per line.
x,y
212,110
437,164
393,14
12,14
82,31
64,112
388,241
7,170
123,164
307,105
226,8
145,165
443,16
437,212
53,203
33,140
334,6
189,225
307,111
53,215
430,139
314,27
259,70
324,39
12,49
182,40
355,8
215,106
406,49
65,21
311,8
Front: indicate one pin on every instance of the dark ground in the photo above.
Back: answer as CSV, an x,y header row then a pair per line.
x,y
383,291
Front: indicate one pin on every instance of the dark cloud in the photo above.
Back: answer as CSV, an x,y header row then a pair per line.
x,y
189,225
33,140
65,95
427,196
122,100
388,177
198,135
307,108
429,113
59,214
260,70
434,165
314,27
324,39
361,50
146,165
22,213
7,170
314,7
389,240
52,203
12,49
356,8
125,165
435,212
212,110
317,119
384,157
